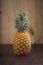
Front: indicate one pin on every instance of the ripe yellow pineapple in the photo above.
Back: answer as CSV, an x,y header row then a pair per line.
x,y
22,41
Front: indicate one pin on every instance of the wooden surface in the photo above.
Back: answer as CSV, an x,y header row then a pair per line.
x,y
7,56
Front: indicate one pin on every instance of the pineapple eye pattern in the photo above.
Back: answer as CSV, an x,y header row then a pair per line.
x,y
21,43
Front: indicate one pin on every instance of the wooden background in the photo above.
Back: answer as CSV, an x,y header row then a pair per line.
x,y
9,9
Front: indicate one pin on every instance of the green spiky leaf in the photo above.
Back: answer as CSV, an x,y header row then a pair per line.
x,y
21,22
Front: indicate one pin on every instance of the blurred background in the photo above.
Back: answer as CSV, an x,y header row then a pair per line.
x,y
8,12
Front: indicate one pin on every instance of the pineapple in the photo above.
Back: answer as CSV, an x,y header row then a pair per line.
x,y
21,41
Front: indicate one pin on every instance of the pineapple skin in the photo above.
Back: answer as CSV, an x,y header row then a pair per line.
x,y
22,43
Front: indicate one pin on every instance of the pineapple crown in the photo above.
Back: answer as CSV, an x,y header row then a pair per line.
x,y
21,22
